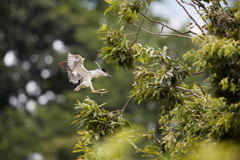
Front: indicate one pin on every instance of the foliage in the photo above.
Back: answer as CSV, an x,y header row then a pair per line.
x,y
198,123
215,152
23,133
191,117
158,76
220,58
97,123
34,89
224,21
118,48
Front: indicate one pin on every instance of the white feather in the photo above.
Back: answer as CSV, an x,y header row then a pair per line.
x,y
76,69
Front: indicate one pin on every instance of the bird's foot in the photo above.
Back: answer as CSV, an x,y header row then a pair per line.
x,y
100,91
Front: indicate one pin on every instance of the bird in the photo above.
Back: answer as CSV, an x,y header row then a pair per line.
x,y
77,73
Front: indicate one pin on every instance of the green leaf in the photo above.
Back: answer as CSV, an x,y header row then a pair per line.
x,y
109,1
133,144
141,59
108,9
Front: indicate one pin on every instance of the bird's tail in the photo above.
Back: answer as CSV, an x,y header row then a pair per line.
x,y
64,64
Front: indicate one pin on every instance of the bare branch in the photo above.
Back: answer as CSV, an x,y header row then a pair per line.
x,y
128,102
161,30
187,90
164,25
197,73
130,34
191,17
121,111
202,90
192,4
141,24
157,34
185,2
200,4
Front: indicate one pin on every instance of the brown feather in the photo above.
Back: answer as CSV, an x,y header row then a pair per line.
x,y
64,64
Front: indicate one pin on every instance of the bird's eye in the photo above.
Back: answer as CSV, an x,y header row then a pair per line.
x,y
103,70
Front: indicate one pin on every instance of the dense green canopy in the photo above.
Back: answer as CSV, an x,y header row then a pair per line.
x,y
193,118
37,100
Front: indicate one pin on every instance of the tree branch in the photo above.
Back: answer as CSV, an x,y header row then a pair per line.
x,y
197,73
202,90
193,4
200,4
141,24
191,17
129,100
187,90
121,111
164,25
131,34
157,34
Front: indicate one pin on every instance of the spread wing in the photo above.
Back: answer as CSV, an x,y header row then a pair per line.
x,y
75,69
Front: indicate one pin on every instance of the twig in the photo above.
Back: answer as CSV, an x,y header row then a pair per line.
x,y
191,17
130,34
121,111
141,24
157,34
200,4
128,102
187,90
161,30
202,91
187,96
185,2
197,73
192,4
164,25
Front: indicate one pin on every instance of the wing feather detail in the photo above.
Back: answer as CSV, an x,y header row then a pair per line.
x,y
72,78
76,69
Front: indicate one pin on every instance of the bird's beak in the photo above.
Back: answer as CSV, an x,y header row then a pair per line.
x,y
109,75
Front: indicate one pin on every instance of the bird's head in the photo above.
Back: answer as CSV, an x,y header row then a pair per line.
x,y
103,71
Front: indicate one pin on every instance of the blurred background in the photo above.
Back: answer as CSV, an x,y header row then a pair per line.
x,y
36,99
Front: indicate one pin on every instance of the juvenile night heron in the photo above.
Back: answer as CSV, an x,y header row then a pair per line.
x,y
77,73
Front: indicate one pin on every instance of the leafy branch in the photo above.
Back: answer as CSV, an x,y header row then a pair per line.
x,y
193,119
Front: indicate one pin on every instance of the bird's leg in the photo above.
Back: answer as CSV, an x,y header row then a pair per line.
x,y
97,91
101,91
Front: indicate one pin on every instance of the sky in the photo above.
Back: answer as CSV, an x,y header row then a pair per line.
x,y
177,17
